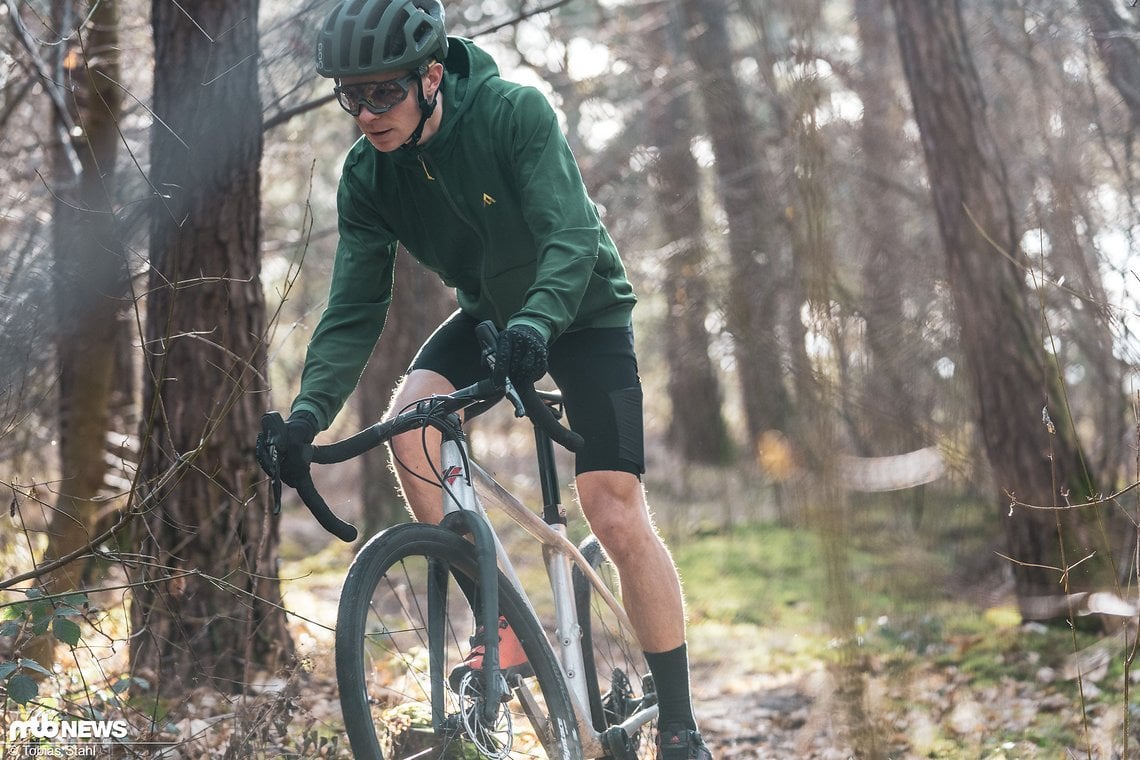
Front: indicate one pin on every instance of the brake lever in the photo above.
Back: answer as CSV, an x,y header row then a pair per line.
x,y
273,428
487,334
513,396
275,482
275,431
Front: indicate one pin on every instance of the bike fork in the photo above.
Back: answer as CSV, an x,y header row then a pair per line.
x,y
462,515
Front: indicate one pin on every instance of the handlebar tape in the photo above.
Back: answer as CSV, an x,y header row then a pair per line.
x,y
329,521
351,447
543,417
274,431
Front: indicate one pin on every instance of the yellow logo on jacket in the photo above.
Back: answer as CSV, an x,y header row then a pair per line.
x,y
487,200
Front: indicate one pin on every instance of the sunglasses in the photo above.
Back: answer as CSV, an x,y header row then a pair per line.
x,y
377,97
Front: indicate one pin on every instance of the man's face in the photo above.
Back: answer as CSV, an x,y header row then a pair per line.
x,y
396,95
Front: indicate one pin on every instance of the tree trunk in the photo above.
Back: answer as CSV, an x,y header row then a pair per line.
x,y
893,424
1116,45
89,277
1025,427
207,599
754,273
697,429
892,420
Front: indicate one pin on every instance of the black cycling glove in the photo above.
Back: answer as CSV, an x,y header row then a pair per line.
x,y
294,452
520,354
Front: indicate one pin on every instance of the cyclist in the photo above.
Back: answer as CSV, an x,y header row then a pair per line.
x,y
472,174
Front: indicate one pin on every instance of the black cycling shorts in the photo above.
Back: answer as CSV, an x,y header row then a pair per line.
x,y
596,370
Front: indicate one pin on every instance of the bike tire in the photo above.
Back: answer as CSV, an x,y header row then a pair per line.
x,y
611,653
382,656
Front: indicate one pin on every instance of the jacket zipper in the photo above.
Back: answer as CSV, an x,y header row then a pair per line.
x,y
460,215
423,163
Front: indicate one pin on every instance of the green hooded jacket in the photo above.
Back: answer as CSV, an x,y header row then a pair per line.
x,y
494,203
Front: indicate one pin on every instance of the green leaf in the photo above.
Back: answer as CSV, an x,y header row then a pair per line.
x,y
72,608
75,600
22,689
66,631
40,625
7,669
33,665
9,628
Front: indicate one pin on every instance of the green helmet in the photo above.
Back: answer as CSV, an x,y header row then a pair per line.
x,y
374,36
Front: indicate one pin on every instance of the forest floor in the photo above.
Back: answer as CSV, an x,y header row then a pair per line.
x,y
873,637
933,662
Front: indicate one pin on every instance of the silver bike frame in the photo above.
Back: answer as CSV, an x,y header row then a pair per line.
x,y
559,556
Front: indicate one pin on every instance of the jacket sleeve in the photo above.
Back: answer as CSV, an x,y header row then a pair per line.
x,y
359,296
562,219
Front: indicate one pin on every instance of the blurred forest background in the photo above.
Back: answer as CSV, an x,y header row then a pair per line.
x,y
884,252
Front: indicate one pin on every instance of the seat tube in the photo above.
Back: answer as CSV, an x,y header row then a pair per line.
x,y
569,630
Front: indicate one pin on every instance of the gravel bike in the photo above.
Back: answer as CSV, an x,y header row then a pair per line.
x,y
417,596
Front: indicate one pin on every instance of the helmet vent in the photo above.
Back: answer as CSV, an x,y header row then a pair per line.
x,y
345,47
367,47
424,34
396,45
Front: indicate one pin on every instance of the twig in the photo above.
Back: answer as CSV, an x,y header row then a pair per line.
x,y
1059,507
125,518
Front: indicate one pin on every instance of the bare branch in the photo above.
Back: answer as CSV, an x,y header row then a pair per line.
x,y
143,505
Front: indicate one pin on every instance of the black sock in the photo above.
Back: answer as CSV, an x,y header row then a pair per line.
x,y
671,676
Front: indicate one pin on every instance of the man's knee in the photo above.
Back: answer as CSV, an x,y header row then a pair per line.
x,y
417,384
614,505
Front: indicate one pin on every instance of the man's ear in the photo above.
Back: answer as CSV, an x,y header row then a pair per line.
x,y
435,75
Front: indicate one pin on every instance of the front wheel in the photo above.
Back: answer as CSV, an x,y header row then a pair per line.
x,y
404,623
620,687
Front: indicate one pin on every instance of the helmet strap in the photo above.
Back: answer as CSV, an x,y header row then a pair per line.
x,y
427,108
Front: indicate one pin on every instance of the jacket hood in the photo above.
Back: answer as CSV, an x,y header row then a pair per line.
x,y
467,69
